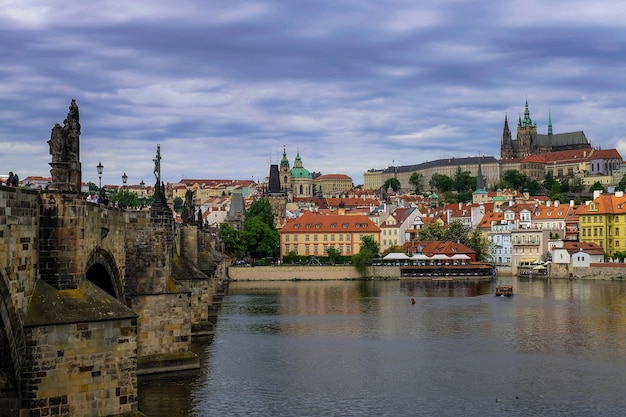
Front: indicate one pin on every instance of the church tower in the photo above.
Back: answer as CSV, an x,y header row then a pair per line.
x,y
526,134
301,179
506,143
285,175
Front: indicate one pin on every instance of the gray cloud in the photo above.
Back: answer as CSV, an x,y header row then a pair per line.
x,y
352,85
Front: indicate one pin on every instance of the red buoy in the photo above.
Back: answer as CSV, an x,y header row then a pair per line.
x,y
412,300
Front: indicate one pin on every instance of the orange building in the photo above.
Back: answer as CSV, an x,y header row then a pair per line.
x,y
312,234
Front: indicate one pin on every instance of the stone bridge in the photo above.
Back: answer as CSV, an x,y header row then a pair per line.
x,y
92,296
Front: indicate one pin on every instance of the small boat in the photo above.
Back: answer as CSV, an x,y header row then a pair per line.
x,y
504,290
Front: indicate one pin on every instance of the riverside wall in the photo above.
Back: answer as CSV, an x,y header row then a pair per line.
x,y
308,273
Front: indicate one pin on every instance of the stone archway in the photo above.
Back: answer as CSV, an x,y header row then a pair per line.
x,y
102,270
12,344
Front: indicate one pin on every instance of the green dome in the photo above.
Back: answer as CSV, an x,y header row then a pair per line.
x,y
300,173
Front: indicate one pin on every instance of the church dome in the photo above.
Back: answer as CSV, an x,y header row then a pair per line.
x,y
300,173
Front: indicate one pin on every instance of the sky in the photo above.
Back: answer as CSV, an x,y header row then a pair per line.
x,y
224,86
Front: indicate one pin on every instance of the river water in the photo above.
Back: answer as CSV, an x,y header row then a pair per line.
x,y
361,348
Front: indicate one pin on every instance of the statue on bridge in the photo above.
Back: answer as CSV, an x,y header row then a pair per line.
x,y
65,151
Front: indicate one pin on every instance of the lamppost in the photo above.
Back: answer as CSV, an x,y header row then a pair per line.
x,y
124,179
143,187
100,168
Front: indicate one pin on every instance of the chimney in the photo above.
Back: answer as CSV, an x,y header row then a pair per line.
x,y
548,203
619,194
556,203
596,193
571,203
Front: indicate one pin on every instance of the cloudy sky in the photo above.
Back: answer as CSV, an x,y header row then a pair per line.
x,y
222,86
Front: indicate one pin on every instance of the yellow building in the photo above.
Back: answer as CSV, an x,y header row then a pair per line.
x,y
603,221
312,234
333,184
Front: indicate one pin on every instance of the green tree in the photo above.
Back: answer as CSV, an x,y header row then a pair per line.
x,y
516,179
261,208
231,239
548,181
178,204
333,255
392,183
456,232
125,199
433,231
441,182
416,181
259,239
480,244
461,180
369,250
577,185
597,186
533,187
292,257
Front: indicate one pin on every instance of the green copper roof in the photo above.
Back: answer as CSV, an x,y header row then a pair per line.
x,y
284,162
300,173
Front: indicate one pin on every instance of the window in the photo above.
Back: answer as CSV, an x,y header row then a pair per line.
x,y
325,238
332,238
286,238
306,238
295,238
315,238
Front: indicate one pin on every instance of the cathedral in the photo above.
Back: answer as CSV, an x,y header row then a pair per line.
x,y
529,142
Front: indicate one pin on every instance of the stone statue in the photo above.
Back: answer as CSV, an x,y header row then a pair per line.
x,y
188,215
157,165
199,219
65,151
71,132
57,143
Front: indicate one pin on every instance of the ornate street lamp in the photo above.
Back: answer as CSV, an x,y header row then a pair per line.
x,y
100,168
143,188
124,179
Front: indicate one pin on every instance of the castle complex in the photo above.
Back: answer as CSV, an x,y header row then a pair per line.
x,y
529,142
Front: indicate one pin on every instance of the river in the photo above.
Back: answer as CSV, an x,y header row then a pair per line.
x,y
362,348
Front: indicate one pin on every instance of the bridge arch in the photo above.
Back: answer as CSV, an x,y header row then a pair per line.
x,y
102,270
12,347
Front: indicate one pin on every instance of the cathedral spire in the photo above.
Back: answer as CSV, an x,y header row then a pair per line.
x,y
550,123
527,120
284,162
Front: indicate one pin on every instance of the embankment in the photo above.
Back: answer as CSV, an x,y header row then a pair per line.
x,y
307,273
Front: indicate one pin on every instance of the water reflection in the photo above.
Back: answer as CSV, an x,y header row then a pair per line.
x,y
355,348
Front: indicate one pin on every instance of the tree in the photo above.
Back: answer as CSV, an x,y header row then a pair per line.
x,y
369,250
548,181
433,231
259,239
125,199
263,209
231,239
178,204
516,179
416,181
291,257
596,186
333,255
461,180
577,185
480,244
392,183
441,182
456,232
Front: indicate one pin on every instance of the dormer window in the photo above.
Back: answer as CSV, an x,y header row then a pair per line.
x,y
317,226
345,225
308,226
296,226
332,226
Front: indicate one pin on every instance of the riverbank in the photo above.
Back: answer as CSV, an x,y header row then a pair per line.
x,y
318,273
